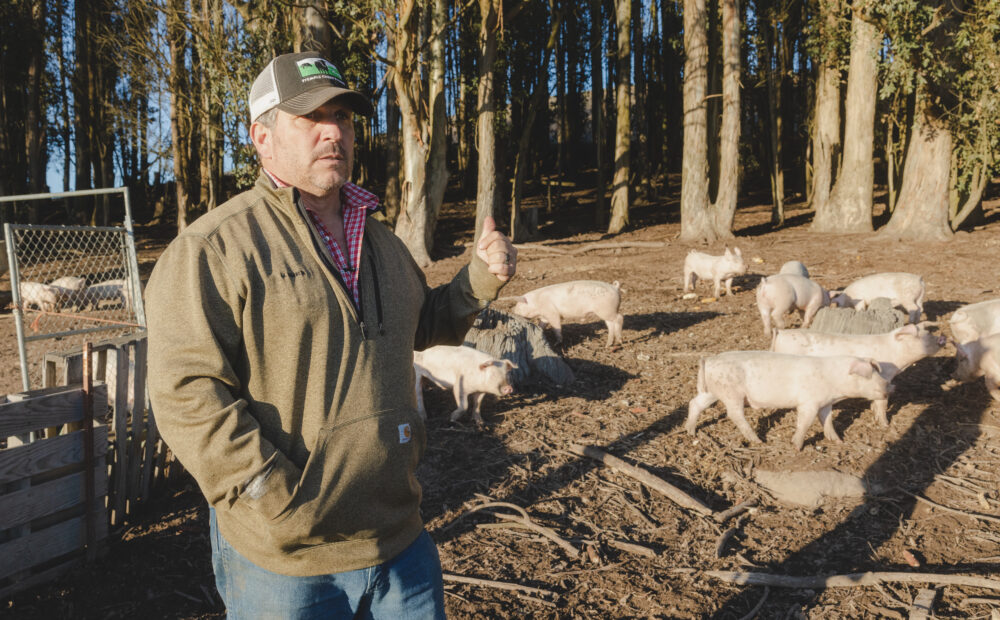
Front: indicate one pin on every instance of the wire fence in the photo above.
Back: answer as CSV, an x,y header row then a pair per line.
x,y
71,284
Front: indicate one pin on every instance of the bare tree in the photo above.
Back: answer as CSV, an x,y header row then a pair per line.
x,y
623,124
849,208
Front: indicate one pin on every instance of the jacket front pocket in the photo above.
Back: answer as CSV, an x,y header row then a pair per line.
x,y
359,483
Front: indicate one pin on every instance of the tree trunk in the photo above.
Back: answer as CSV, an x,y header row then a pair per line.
x,y
392,146
437,164
696,221
623,125
849,208
597,109
923,206
729,150
640,159
312,33
179,119
774,82
485,124
35,123
826,119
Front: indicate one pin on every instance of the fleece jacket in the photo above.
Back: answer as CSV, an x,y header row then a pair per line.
x,y
293,408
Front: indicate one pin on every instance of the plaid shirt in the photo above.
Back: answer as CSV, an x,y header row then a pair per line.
x,y
356,204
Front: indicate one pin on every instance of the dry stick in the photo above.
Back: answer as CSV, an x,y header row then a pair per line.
x,y
725,515
544,531
973,515
501,585
760,603
978,601
643,476
632,548
723,539
848,581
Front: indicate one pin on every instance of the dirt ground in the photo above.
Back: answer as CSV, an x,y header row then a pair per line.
x,y
628,551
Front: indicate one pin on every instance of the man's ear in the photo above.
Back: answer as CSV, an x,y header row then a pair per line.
x,y
261,138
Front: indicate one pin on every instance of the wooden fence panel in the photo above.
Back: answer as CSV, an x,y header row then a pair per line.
x,y
48,544
47,455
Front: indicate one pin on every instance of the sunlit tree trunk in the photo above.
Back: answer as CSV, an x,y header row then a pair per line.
x,y
623,128
849,208
486,187
923,205
826,120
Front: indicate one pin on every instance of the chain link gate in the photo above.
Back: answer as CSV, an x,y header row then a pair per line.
x,y
70,283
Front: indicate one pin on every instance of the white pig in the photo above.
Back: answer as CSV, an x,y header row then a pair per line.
x,y
781,293
574,301
795,268
74,287
969,325
894,350
811,385
990,364
902,289
714,268
467,371
45,297
117,290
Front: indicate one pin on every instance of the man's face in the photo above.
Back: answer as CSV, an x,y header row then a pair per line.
x,y
314,153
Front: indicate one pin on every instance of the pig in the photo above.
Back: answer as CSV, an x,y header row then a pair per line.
x,y
779,294
74,287
44,297
795,268
902,289
117,290
714,268
990,364
575,301
467,371
894,350
811,385
969,325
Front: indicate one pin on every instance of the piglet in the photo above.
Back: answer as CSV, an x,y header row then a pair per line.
x,y
794,268
811,385
467,371
969,325
116,290
74,287
902,289
45,297
781,293
574,301
894,350
714,268
990,364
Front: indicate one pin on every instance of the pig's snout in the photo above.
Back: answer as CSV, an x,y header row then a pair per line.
x,y
505,390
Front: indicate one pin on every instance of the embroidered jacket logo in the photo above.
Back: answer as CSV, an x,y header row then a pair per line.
x,y
404,433
318,67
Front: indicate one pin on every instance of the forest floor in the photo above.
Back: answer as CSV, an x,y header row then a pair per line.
x,y
632,552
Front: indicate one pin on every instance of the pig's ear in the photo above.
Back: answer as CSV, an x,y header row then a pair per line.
x,y
728,251
510,365
906,330
485,365
737,252
862,368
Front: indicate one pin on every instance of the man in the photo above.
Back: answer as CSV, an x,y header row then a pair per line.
x,y
281,334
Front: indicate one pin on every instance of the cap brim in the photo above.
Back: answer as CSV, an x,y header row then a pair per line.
x,y
308,101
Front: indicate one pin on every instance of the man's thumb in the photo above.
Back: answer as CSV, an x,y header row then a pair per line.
x,y
489,225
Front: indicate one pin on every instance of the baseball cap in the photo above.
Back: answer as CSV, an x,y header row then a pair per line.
x,y
301,82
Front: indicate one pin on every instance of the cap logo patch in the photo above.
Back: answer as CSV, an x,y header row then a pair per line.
x,y
317,67
404,433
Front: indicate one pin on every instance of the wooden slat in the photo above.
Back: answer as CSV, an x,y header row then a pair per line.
x,y
25,461
51,409
120,414
136,429
138,381
41,500
44,545
46,576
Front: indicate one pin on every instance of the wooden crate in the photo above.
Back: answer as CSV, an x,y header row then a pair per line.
x,y
53,491
139,459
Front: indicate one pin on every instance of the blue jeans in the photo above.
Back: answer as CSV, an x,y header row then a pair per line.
x,y
407,586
